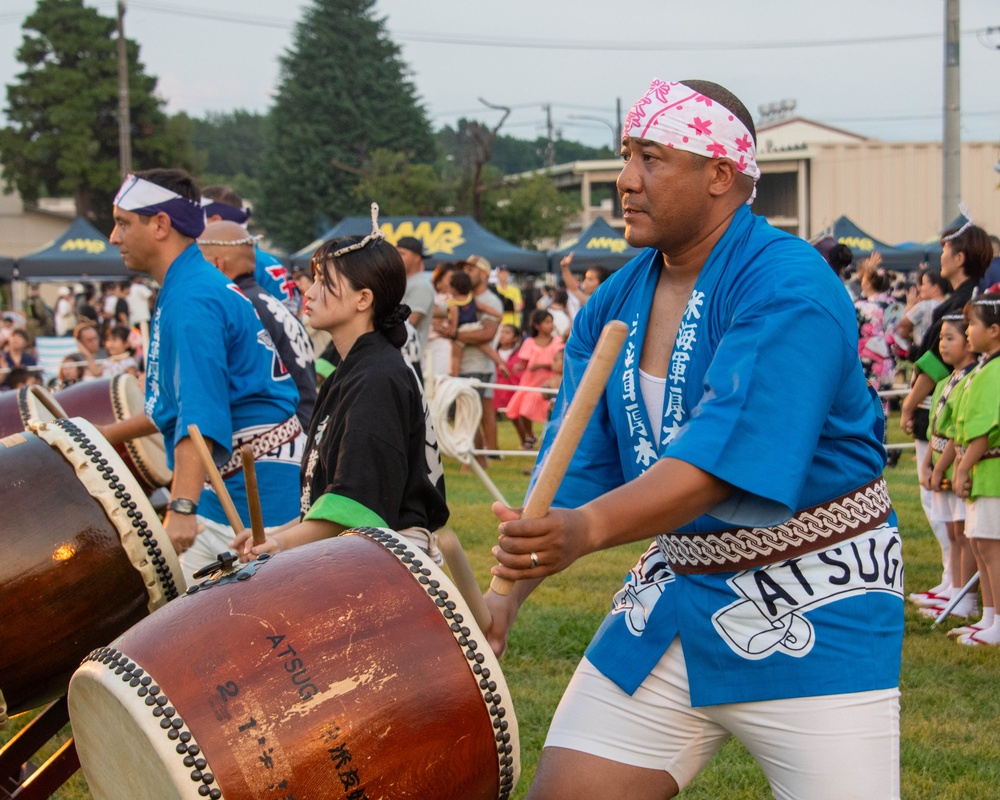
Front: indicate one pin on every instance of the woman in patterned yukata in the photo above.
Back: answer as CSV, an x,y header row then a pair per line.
x,y
371,457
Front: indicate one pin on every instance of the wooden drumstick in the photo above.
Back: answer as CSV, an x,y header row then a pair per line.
x,y
253,496
595,378
215,479
465,581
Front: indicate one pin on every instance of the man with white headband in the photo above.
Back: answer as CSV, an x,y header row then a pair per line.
x,y
209,363
223,203
738,430
229,246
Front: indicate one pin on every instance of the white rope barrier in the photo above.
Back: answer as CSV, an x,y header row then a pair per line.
x,y
457,436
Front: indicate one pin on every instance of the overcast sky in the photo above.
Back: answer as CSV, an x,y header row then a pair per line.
x,y
871,66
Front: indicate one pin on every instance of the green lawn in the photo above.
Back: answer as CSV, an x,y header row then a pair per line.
x,y
950,694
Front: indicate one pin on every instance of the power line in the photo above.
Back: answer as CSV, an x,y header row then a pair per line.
x,y
549,44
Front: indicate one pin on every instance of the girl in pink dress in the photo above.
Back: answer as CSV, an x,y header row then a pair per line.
x,y
537,353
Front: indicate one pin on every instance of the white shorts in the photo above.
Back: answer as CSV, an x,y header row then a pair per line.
x,y
810,748
982,518
947,507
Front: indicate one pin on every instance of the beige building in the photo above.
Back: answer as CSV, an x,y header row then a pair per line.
x,y
813,173
24,229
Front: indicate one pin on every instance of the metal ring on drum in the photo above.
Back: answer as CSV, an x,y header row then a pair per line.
x,y
85,556
347,667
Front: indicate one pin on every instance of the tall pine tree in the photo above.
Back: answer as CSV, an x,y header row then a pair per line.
x,y
62,133
342,94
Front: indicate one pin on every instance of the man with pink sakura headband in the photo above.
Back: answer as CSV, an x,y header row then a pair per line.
x,y
678,116
736,431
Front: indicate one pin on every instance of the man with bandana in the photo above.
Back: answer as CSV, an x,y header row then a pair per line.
x,y
738,430
210,363
230,248
223,203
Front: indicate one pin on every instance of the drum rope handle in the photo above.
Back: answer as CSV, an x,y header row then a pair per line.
x,y
253,496
215,479
574,423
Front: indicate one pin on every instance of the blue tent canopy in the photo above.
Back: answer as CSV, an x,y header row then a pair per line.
x,y
599,245
932,245
862,245
444,239
6,268
81,251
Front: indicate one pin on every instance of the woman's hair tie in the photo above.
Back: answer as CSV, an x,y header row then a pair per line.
x,y
394,325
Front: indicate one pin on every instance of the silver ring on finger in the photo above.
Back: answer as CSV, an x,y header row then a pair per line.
x,y
534,560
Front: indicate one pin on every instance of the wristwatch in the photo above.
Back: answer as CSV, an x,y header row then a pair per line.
x,y
183,506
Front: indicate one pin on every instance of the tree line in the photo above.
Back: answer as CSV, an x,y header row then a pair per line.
x,y
346,127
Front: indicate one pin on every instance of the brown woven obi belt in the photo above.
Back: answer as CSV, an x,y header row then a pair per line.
x,y
262,444
993,452
938,444
813,529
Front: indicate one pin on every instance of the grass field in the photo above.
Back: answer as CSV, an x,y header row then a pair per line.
x,y
950,694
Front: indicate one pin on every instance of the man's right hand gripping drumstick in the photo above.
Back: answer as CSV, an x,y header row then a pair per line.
x,y
545,542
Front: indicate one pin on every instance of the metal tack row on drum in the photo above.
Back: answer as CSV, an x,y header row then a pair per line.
x,y
348,668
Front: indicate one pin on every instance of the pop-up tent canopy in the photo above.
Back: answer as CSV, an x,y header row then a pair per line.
x,y
6,268
81,251
444,239
599,245
862,245
931,246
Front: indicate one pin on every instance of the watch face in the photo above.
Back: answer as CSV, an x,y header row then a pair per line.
x,y
183,506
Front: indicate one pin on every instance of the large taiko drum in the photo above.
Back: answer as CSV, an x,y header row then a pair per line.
x,y
84,556
27,404
347,668
107,400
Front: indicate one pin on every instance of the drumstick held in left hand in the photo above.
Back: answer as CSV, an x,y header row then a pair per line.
x,y
215,479
253,496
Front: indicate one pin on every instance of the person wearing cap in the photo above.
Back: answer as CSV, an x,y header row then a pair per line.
x,y
419,294
475,363
223,203
229,247
211,364
769,605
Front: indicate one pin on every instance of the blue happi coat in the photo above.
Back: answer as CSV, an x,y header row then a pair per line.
x,y
766,392
212,364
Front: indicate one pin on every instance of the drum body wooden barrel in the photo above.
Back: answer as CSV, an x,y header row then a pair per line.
x,y
106,400
82,556
348,668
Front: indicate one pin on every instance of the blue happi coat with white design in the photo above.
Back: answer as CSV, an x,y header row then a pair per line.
x,y
212,364
766,392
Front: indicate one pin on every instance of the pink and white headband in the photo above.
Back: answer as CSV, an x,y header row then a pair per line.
x,y
148,199
677,116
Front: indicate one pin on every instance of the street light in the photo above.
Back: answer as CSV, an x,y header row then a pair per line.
x,y
614,131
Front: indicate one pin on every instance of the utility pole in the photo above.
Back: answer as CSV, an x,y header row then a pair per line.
x,y
618,126
550,148
952,144
124,120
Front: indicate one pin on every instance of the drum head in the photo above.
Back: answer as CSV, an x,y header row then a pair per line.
x,y
133,763
148,453
37,404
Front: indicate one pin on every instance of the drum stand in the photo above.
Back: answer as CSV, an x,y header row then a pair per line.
x,y
18,779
